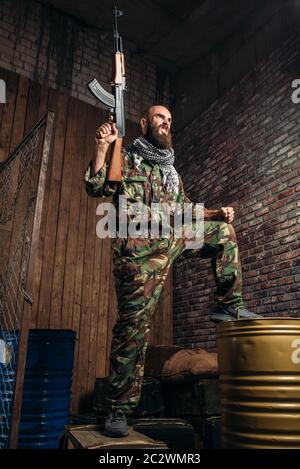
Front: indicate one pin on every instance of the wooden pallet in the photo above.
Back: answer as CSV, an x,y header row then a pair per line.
x,y
91,437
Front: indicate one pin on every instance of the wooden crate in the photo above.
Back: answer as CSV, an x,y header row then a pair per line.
x,y
207,431
176,433
212,433
199,398
91,437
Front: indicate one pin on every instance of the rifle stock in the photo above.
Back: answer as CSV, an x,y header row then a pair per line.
x,y
115,163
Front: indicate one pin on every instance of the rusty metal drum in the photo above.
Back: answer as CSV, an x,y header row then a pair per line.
x,y
259,364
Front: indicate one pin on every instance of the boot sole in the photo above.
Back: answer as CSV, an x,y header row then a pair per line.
x,y
226,317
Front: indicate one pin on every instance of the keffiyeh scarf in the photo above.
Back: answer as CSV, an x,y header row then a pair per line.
x,y
164,157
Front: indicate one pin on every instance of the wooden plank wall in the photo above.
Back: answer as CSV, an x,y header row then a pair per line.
x,y
74,280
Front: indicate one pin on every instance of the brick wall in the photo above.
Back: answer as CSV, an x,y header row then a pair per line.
x,y
244,151
54,49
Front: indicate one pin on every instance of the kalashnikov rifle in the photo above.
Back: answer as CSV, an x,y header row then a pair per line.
x,y
114,100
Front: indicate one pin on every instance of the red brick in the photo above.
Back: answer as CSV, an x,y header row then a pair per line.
x,y
286,193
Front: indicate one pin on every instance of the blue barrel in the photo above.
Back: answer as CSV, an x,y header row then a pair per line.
x,y
8,360
47,388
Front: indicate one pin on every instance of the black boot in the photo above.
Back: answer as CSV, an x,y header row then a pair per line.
x,y
229,313
116,424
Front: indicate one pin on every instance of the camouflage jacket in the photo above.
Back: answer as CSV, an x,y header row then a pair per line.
x,y
140,183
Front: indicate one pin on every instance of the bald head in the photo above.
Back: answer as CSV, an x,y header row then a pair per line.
x,y
156,109
156,126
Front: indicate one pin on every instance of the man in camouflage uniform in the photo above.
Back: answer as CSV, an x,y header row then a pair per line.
x,y
141,265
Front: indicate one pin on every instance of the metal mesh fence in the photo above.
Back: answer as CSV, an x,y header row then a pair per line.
x,y
19,175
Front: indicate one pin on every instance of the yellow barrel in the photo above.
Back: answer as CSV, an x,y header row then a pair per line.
x,y
259,364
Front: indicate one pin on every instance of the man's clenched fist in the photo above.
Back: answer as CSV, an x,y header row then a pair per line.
x,y
228,213
106,134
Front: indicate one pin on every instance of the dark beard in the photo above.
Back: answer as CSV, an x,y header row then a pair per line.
x,y
160,141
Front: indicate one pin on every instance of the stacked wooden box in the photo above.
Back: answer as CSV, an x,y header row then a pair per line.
x,y
198,403
91,437
183,415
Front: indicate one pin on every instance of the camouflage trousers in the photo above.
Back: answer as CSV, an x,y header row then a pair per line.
x,y
140,268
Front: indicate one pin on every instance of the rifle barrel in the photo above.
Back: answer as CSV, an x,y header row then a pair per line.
x,y
117,37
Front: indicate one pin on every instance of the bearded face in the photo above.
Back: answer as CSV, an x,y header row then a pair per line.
x,y
160,135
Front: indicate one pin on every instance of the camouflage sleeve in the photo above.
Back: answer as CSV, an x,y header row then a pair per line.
x,y
98,186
